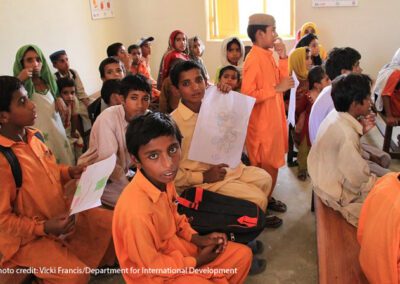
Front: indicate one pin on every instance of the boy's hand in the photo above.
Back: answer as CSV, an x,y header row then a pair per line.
x,y
25,74
215,173
62,108
224,88
75,172
368,122
216,239
285,84
280,48
59,225
89,158
206,255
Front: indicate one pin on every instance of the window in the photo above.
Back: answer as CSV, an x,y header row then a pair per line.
x,y
230,17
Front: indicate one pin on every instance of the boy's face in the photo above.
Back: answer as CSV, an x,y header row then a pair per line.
x,y
191,86
116,99
136,54
230,77
266,39
325,81
233,54
146,49
62,64
180,42
122,54
135,104
113,71
196,49
159,159
33,62
22,110
364,108
68,95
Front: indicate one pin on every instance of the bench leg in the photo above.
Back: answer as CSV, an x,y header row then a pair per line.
x,y
312,202
387,139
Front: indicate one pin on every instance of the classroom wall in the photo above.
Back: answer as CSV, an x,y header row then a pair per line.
x,y
372,28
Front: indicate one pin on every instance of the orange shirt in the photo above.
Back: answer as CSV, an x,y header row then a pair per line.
x,y
151,234
141,69
40,197
379,231
394,94
267,128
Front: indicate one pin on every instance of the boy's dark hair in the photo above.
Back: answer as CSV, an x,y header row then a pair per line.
x,y
136,82
350,88
315,75
306,40
55,56
339,59
252,30
112,50
108,60
233,41
65,82
183,67
228,67
152,125
133,46
8,85
110,87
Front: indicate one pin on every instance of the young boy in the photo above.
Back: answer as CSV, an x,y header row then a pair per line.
x,y
138,65
145,46
36,229
110,68
249,183
230,75
118,50
340,175
111,92
267,134
66,87
108,133
154,244
378,231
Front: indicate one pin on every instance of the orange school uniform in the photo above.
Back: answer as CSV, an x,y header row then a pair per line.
x,y
379,231
152,241
267,134
42,196
390,91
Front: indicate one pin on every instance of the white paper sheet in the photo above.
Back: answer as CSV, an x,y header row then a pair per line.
x,y
221,128
292,101
91,185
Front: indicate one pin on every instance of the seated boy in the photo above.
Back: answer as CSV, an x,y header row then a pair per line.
x,y
378,231
36,230
118,50
111,92
108,133
230,75
110,68
153,242
340,175
249,183
66,87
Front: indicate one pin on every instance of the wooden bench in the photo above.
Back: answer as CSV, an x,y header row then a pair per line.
x,y
338,249
389,146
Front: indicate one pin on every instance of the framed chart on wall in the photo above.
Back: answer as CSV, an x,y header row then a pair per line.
x,y
101,9
334,3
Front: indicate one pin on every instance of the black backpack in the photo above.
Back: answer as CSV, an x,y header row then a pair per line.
x,y
14,163
209,212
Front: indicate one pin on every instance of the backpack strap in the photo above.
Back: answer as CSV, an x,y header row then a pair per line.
x,y
39,136
73,74
14,164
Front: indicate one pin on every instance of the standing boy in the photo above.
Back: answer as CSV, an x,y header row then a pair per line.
x,y
267,134
151,236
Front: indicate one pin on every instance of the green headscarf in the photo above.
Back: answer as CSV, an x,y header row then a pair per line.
x,y
45,72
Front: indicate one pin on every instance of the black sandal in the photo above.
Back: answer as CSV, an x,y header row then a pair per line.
x,y
257,266
276,205
272,221
256,246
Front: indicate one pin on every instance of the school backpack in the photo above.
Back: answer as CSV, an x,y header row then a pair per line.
x,y
14,163
208,212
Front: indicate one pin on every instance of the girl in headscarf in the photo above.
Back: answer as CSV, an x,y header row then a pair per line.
x,y
387,90
232,53
177,48
300,63
31,68
311,41
310,28
196,50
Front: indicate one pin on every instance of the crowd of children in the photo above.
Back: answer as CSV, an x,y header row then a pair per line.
x,y
138,222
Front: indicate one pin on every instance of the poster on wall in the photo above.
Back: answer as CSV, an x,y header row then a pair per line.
x,y
101,9
334,3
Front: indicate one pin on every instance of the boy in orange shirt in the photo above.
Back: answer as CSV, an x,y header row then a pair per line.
x,y
36,230
154,244
267,134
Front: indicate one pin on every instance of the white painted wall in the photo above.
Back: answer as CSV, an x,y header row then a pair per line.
x,y
372,28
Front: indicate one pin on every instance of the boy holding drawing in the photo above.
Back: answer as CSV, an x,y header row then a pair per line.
x,y
35,227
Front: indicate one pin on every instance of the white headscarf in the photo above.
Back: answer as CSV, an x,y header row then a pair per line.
x,y
383,77
224,51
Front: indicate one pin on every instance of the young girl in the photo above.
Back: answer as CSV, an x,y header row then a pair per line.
x,y
230,75
311,41
31,68
299,63
232,53
177,48
196,50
